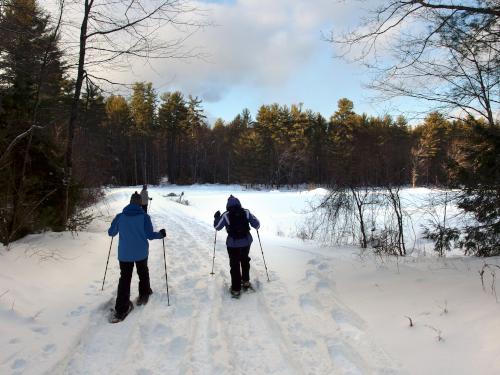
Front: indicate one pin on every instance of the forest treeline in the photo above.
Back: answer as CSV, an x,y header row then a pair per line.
x,y
144,136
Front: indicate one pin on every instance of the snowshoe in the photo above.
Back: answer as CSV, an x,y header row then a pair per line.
x,y
117,318
235,293
142,300
247,286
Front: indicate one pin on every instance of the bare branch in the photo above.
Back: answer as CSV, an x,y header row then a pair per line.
x,y
15,141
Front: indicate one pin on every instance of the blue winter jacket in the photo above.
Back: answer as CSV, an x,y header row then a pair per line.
x,y
223,222
135,228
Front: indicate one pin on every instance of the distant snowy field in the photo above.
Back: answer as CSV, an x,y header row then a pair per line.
x,y
327,310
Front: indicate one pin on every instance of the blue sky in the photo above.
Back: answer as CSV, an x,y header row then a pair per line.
x,y
262,52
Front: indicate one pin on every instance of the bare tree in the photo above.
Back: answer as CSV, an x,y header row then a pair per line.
x,y
443,52
394,198
114,33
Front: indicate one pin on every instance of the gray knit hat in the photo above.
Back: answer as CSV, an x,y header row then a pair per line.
x,y
135,198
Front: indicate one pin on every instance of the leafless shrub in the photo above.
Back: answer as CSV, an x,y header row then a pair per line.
x,y
385,242
44,255
342,216
310,228
444,308
36,315
439,227
491,268
411,321
439,333
367,217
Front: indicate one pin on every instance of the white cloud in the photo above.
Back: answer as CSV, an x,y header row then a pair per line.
x,y
255,43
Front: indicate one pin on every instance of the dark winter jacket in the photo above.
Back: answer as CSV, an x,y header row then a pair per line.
x,y
135,229
223,221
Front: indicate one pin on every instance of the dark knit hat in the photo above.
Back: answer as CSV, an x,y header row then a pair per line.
x,y
135,198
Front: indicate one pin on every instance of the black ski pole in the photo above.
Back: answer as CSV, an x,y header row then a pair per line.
x,y
213,258
166,277
262,251
106,270
150,204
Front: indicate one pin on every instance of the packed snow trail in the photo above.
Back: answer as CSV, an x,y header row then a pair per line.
x,y
204,331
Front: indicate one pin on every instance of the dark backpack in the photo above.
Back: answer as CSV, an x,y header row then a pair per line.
x,y
238,223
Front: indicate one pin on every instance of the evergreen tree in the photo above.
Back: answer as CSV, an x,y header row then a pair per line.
x,y
143,114
431,150
31,81
479,169
117,127
172,116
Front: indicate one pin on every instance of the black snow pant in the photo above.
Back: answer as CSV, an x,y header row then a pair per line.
x,y
144,207
239,261
123,296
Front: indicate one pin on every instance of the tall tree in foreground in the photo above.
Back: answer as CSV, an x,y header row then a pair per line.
x,y
480,170
445,53
112,33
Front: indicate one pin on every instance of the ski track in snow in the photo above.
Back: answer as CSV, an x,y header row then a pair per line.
x,y
205,331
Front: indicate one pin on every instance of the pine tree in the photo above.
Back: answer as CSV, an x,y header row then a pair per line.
x,y
172,117
117,125
143,114
31,81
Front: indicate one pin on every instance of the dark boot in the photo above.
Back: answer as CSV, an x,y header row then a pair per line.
x,y
120,316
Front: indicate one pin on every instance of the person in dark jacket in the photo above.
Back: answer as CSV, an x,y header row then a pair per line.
x,y
237,221
135,229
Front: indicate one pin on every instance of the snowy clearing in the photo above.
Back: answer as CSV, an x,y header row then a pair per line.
x,y
326,310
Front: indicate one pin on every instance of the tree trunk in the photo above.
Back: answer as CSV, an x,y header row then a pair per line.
x,y
68,169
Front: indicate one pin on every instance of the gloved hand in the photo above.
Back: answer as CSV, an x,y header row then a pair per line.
x,y
217,215
163,233
150,199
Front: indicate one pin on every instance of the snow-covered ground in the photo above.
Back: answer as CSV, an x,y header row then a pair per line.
x,y
327,310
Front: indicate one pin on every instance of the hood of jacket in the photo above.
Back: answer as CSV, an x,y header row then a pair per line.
x,y
133,210
232,202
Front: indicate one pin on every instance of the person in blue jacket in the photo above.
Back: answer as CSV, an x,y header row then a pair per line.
x,y
237,221
135,229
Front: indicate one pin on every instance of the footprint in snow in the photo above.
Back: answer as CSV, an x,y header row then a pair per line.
x,y
40,330
308,344
18,364
347,359
78,311
311,274
306,302
323,266
49,349
324,284
345,318
144,371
